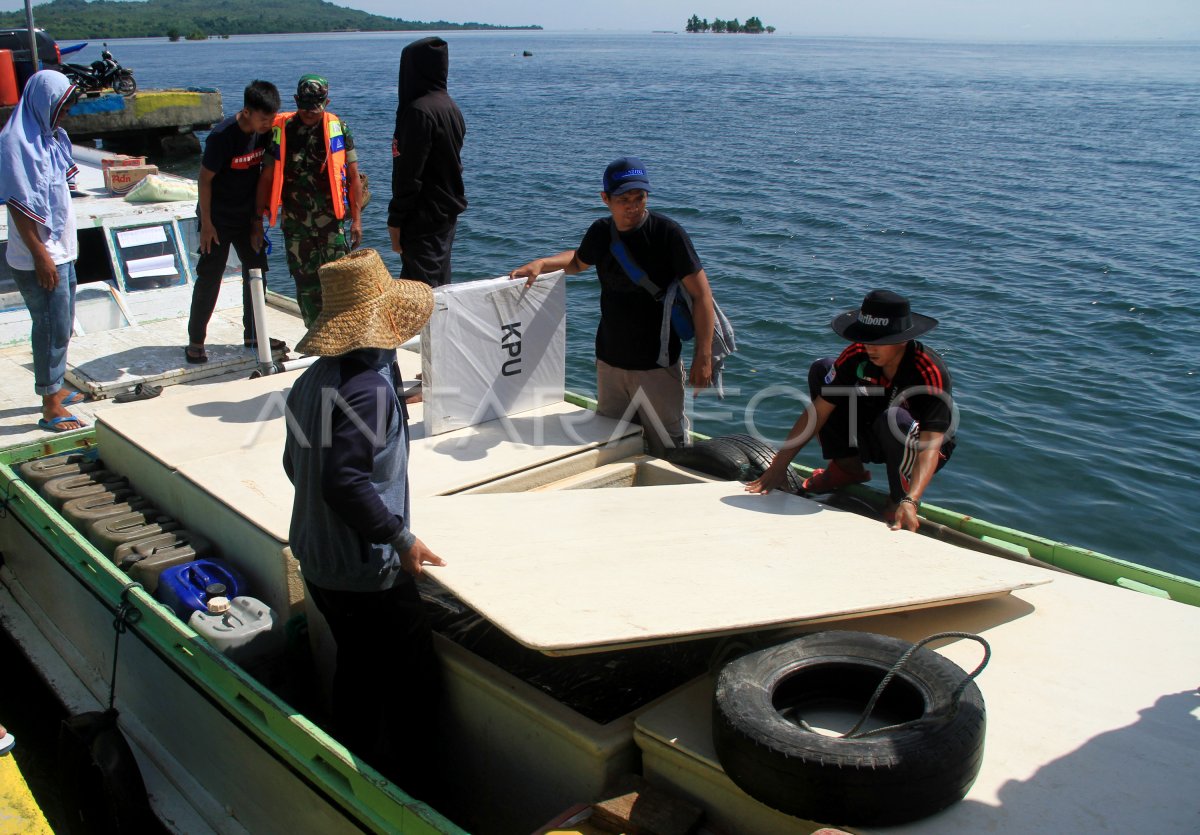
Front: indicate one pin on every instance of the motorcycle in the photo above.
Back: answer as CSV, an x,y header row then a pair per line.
x,y
101,74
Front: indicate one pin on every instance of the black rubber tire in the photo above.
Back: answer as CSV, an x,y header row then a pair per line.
x,y
100,785
73,75
714,457
125,85
759,454
888,778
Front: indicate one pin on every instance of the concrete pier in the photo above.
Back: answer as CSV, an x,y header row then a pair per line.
x,y
154,122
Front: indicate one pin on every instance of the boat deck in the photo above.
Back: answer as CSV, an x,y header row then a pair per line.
x,y
157,348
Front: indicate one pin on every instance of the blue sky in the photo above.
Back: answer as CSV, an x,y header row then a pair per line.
x,y
970,19
989,19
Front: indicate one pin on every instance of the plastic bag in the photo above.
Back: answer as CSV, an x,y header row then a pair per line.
x,y
156,189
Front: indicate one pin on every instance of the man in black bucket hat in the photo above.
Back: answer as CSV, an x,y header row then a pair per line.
x,y
885,399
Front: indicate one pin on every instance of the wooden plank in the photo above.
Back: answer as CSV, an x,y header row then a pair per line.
x,y
581,571
638,808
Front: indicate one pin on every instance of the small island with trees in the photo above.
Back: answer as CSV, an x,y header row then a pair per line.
x,y
752,26
200,19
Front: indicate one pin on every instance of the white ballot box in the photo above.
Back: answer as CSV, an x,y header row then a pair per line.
x,y
493,348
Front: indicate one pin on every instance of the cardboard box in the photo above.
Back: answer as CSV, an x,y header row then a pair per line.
x,y
120,161
119,180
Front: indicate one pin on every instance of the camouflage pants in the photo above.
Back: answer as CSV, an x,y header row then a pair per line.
x,y
308,247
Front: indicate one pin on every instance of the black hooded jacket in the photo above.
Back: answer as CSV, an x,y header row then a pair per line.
x,y
427,184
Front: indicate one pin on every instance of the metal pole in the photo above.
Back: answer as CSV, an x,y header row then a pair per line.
x,y
258,301
33,50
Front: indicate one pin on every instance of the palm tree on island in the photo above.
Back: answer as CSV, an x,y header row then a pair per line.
x,y
752,26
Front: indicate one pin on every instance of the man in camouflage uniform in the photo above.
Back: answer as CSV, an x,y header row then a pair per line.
x,y
312,232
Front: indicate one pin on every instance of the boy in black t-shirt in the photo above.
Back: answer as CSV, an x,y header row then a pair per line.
x,y
229,170
886,399
635,371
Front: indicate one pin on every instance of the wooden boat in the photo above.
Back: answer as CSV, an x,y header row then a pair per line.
x,y
569,541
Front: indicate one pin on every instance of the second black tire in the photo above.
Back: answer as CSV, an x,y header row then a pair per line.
x,y
759,454
889,778
715,457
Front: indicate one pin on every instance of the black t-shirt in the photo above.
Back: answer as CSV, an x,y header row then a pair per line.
x,y
630,318
922,384
236,158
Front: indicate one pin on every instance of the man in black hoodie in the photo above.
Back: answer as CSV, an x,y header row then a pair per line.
x,y
427,185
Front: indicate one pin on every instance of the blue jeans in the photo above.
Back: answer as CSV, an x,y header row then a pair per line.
x,y
53,315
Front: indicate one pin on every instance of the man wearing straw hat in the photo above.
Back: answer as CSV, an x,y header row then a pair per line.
x,y
885,399
347,455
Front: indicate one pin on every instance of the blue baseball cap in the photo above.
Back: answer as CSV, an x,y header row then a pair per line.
x,y
625,174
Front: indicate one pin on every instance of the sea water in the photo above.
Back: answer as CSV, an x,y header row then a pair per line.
x,y
1041,200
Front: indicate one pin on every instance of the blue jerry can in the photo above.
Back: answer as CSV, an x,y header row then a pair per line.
x,y
187,588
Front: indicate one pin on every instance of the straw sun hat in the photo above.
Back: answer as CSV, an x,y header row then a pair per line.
x,y
362,306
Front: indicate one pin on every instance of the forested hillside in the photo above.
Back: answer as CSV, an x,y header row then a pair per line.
x,y
80,20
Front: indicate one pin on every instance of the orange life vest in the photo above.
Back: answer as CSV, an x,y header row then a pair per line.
x,y
335,163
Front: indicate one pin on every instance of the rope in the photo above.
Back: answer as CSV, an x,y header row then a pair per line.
x,y
127,615
954,698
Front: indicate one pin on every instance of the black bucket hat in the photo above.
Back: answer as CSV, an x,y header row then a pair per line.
x,y
883,319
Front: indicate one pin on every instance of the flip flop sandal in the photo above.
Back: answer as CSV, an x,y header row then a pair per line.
x,y
195,355
6,743
55,424
73,398
142,391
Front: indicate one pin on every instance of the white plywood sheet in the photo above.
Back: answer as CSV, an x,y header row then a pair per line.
x,y
227,439
586,570
211,419
249,477
250,481
476,454
193,422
